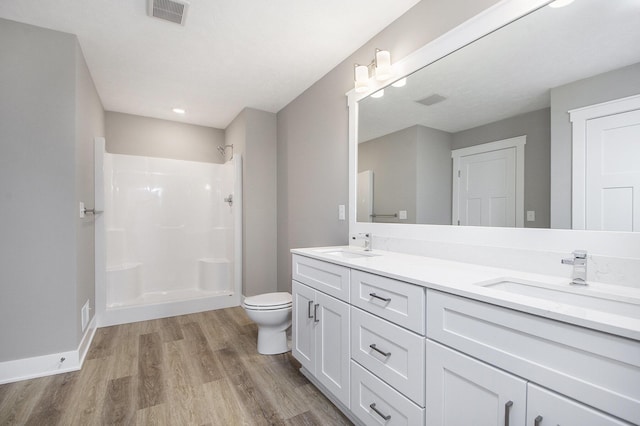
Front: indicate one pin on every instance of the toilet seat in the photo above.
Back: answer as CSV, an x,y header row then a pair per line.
x,y
268,301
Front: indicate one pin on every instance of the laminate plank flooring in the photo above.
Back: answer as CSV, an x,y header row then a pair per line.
x,y
197,369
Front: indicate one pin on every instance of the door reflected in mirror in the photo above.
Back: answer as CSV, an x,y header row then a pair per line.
x,y
433,150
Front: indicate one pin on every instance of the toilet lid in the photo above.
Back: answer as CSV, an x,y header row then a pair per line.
x,y
269,300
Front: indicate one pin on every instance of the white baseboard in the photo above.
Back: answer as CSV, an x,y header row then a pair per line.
x,y
47,365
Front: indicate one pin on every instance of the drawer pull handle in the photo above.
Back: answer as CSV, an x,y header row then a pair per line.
x,y
387,354
315,313
309,309
507,409
373,407
384,299
537,421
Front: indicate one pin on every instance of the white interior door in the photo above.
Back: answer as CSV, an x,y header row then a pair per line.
x,y
489,184
364,208
612,185
487,189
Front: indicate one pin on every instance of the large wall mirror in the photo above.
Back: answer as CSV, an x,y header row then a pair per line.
x,y
483,135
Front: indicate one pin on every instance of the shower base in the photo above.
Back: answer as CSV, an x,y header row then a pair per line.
x,y
164,304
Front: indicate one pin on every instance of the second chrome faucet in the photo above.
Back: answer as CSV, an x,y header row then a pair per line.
x,y
579,262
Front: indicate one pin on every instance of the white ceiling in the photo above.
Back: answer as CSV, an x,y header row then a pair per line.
x,y
230,54
510,71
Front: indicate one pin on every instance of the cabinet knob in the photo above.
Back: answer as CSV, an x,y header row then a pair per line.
x,y
378,412
537,421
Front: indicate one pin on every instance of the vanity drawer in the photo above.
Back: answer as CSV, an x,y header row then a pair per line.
x,y
398,357
327,277
397,301
369,392
596,368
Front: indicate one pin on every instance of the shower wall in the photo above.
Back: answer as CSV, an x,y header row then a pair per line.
x,y
169,232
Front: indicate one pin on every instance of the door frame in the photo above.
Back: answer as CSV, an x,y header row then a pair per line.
x,y
518,143
579,118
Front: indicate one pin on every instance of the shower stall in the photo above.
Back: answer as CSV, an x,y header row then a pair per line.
x,y
172,237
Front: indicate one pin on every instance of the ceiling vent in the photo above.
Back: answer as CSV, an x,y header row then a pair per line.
x,y
432,100
169,10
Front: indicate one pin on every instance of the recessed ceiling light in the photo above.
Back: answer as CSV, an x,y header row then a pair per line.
x,y
179,110
560,3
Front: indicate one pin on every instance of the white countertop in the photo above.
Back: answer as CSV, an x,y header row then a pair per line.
x,y
463,279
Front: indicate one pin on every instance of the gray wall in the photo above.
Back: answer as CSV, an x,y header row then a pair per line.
x,y
253,134
433,188
89,123
412,172
601,88
313,133
42,240
392,158
536,125
152,137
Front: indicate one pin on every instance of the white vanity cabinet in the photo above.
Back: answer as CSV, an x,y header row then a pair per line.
x,y
320,329
390,352
361,337
496,355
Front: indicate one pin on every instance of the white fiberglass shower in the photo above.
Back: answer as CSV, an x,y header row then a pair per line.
x,y
172,241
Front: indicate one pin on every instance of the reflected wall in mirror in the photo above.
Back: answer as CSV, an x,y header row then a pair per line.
x,y
519,81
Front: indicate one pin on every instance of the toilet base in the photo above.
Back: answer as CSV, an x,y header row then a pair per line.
x,y
272,342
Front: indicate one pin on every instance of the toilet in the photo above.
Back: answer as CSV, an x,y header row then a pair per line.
x,y
272,313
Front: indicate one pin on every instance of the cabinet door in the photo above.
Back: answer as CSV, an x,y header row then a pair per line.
x,y
546,408
303,333
332,346
464,391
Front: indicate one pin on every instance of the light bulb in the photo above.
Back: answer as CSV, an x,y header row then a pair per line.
x,y
400,83
362,78
378,94
383,65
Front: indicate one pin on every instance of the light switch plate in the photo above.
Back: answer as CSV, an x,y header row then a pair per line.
x,y
402,215
341,212
81,209
531,215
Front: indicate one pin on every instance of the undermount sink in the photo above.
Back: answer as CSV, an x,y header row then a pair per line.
x,y
577,296
347,254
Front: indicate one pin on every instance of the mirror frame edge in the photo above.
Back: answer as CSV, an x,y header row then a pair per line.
x,y
500,14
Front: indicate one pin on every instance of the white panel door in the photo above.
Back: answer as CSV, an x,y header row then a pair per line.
x,y
613,172
463,391
303,333
487,190
332,346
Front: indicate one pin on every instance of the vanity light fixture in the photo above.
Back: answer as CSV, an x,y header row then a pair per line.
x,y
179,110
379,67
378,94
560,3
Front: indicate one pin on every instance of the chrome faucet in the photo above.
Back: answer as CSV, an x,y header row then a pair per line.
x,y
366,236
579,262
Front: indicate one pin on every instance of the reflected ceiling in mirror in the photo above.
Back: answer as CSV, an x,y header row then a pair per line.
x,y
497,88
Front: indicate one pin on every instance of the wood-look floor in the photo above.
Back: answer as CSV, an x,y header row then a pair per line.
x,y
198,369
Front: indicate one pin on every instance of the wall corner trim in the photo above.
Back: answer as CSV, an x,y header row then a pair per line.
x,y
47,365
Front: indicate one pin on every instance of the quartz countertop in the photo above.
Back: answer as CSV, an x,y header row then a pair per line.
x,y
464,279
